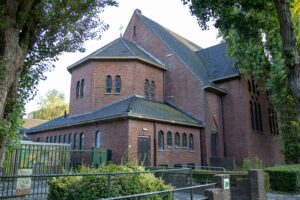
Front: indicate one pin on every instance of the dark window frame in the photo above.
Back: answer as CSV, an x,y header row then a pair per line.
x,y
118,84
177,140
161,140
82,141
184,140
82,88
191,142
169,139
77,89
152,90
108,84
146,88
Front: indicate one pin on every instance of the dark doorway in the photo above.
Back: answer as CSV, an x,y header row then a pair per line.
x,y
144,151
214,144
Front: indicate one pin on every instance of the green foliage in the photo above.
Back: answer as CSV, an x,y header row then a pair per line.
x,y
46,29
258,163
246,164
252,32
51,106
285,178
95,187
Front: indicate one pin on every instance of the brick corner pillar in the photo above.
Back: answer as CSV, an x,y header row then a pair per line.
x,y
222,190
257,184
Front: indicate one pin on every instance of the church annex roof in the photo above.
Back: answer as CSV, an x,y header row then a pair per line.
x,y
132,107
218,65
121,49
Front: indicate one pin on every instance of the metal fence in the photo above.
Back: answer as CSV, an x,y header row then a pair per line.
x,y
185,193
36,185
51,158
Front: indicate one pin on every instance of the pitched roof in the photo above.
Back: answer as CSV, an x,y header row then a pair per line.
x,y
28,122
218,65
120,49
180,47
131,107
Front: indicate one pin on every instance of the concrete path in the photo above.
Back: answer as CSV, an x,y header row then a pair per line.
x,y
274,196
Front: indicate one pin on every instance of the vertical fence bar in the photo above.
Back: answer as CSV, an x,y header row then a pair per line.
x,y
109,183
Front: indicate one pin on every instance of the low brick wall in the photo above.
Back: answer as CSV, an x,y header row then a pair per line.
x,y
249,188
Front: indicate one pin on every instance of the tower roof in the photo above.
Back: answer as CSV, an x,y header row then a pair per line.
x,y
120,49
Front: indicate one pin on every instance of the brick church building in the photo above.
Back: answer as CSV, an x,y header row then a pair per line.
x,y
154,96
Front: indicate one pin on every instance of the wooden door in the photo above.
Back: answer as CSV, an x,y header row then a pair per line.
x,y
144,151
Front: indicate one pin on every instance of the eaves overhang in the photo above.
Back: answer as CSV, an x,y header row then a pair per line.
x,y
127,58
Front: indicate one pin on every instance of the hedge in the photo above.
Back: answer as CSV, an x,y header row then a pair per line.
x,y
284,178
96,187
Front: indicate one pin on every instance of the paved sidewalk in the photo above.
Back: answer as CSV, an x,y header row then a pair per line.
x,y
274,196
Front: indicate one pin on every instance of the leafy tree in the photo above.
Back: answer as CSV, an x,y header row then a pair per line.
x,y
263,38
32,34
51,106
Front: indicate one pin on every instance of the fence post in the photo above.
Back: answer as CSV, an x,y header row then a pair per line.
x,y
109,184
222,190
191,183
257,184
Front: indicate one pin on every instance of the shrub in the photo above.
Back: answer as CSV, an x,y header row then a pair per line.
x,y
98,186
284,178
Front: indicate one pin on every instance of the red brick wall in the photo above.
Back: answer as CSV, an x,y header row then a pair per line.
x,y
170,155
241,141
81,104
114,136
133,75
182,88
214,123
263,145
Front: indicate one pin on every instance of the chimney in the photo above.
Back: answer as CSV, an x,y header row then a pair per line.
x,y
65,114
138,11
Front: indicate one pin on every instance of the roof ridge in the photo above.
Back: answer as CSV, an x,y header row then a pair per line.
x,y
149,54
185,112
125,43
213,46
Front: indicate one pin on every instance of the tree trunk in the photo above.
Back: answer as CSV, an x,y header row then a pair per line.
x,y
290,51
13,57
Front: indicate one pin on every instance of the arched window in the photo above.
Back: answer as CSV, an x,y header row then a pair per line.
x,y
81,142
184,140
81,88
146,88
118,84
108,84
249,86
77,89
70,139
191,142
256,117
55,139
152,90
169,139
59,139
260,118
75,141
47,139
252,115
97,139
161,140
51,139
65,138
177,139
38,139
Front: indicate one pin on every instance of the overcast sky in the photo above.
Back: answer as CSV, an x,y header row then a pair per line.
x,y
171,14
